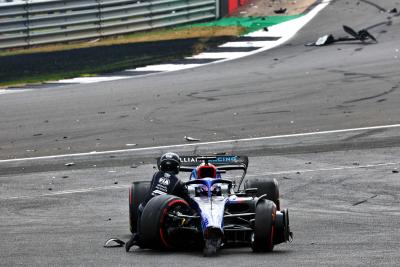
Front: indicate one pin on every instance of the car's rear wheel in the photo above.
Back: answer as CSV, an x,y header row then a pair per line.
x,y
156,223
265,186
137,194
263,236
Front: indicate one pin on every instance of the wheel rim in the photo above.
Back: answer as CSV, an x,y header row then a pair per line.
x,y
166,222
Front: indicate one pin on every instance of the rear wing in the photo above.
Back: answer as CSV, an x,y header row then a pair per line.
x,y
222,162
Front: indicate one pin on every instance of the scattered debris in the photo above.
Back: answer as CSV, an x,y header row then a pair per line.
x,y
191,139
325,40
69,164
118,243
131,144
280,10
362,35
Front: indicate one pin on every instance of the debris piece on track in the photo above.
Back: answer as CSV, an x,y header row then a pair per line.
x,y
117,243
280,10
191,139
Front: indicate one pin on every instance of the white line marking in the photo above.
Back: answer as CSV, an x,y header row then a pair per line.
x,y
94,189
207,143
226,55
13,91
246,44
327,169
66,192
92,79
166,67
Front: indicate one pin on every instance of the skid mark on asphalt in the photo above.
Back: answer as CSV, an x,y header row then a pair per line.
x,y
123,186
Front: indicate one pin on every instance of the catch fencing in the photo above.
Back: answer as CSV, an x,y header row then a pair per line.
x,y
28,23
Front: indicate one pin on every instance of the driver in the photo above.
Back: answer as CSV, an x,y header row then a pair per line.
x,y
163,182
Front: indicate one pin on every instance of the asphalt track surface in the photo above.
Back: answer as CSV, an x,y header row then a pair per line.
x,y
342,188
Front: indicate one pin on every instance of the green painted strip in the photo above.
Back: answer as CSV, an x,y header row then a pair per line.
x,y
251,24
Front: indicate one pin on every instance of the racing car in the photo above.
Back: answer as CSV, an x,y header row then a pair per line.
x,y
223,211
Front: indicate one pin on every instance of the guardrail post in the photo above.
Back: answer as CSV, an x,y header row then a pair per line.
x,y
99,29
151,14
217,8
27,38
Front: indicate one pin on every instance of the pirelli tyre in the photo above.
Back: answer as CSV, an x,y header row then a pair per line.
x,y
156,222
265,186
263,236
137,193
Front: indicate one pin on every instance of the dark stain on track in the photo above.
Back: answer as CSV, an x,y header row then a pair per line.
x,y
373,96
271,112
365,134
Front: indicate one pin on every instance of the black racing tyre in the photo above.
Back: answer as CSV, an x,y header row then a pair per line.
x,y
137,194
263,237
266,186
154,222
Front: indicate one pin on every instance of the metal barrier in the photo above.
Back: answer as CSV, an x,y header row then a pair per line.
x,y
49,21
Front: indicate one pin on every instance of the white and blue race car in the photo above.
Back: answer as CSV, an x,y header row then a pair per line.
x,y
222,211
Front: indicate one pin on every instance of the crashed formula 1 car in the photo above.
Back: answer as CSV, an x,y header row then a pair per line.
x,y
227,211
